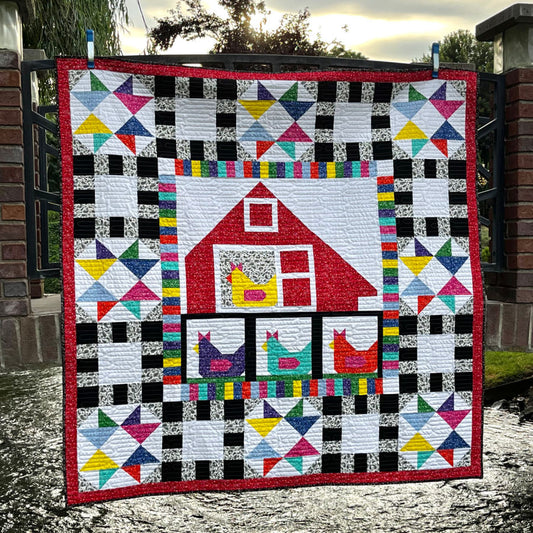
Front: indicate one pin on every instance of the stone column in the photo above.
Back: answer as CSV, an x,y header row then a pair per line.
x,y
14,296
510,292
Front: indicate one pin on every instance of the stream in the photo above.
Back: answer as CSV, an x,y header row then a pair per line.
x,y
32,485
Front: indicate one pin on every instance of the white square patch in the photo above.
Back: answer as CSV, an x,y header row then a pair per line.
x,y
119,363
203,440
196,119
360,434
115,196
436,353
352,122
425,193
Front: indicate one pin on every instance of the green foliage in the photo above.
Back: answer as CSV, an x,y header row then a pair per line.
x,y
337,49
235,33
59,26
505,367
53,285
59,29
461,46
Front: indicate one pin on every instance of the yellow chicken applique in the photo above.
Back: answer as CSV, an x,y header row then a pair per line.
x,y
246,293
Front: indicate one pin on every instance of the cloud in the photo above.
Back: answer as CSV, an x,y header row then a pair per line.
x,y
388,31
399,49
133,41
152,9
469,10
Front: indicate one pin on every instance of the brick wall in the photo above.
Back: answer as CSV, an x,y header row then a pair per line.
x,y
509,313
515,283
14,300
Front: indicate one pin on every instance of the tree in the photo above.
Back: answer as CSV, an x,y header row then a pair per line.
x,y
236,32
461,46
59,26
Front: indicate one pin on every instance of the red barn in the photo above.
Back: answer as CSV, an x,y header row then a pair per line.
x,y
311,275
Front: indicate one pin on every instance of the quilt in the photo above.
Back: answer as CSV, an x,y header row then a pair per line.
x,y
270,280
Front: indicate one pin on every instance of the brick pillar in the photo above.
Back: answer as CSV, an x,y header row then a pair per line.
x,y
14,298
510,292
509,313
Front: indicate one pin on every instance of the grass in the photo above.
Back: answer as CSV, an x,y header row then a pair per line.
x,y
504,367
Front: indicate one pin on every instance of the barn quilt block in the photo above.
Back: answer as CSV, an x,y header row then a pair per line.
x,y
269,280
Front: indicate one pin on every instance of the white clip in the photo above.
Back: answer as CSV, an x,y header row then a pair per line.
x,y
90,48
435,59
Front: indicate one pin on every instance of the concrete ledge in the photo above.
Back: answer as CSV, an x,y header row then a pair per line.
x,y
49,304
509,326
514,14
31,340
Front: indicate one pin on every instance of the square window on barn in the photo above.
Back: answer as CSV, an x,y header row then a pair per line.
x,y
294,261
296,292
261,214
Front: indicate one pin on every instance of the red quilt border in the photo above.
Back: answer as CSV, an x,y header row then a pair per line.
x,y
74,496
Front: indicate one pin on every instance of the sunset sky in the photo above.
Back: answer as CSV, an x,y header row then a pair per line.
x,y
396,30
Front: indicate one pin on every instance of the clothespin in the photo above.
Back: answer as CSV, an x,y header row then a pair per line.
x,y
435,59
90,48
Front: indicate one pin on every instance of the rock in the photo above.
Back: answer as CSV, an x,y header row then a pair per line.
x,y
500,404
526,415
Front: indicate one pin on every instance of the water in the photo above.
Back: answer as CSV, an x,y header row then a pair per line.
x,y
32,499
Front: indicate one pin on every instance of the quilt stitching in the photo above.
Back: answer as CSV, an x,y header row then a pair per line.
x,y
226,334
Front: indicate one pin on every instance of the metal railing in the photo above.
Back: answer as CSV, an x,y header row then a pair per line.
x,y
40,135
490,138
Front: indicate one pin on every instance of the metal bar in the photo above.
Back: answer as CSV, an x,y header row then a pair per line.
x,y
317,61
46,109
487,195
29,170
43,174
40,64
490,267
498,180
45,123
50,150
45,251
48,196
487,128
52,272
483,171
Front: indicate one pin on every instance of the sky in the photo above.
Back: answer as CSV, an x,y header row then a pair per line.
x,y
393,30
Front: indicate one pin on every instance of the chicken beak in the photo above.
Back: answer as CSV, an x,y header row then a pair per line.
x,y
265,347
196,348
229,278
332,345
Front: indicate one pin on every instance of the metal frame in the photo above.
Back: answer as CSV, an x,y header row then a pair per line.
x,y
50,201
274,63
35,120
494,125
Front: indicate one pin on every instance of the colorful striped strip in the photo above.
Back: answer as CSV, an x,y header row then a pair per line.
x,y
170,280
267,169
389,255
247,390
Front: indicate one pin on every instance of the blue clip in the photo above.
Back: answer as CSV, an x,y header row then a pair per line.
x,y
90,48
435,59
